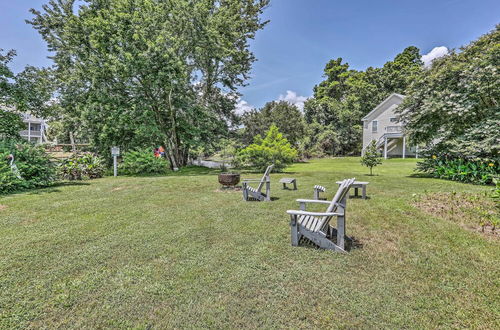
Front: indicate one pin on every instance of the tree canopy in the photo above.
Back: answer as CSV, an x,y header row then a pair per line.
x,y
137,72
455,104
346,96
29,91
285,116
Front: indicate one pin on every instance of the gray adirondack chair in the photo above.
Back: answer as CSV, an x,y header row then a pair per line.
x,y
256,193
316,225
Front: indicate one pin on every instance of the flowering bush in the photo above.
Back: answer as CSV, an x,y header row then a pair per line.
x,y
82,166
478,171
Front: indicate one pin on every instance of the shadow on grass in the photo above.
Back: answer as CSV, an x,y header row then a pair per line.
x,y
55,186
193,170
256,201
359,197
420,176
351,243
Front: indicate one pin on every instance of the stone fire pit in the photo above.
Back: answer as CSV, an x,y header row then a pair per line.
x,y
229,179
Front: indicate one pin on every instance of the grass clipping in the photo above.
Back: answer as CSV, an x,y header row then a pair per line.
x,y
475,212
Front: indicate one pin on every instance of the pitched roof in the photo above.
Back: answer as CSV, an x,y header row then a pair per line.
x,y
382,104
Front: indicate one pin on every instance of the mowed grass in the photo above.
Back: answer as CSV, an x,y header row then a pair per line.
x,y
175,252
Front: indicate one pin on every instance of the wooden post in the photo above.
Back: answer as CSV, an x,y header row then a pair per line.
x,y
385,147
29,131
268,190
416,152
294,230
245,191
341,224
115,166
404,147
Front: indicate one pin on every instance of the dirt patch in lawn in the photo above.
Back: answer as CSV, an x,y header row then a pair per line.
x,y
475,212
229,190
3,207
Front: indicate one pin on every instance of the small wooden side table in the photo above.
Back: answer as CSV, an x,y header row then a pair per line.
x,y
356,185
286,181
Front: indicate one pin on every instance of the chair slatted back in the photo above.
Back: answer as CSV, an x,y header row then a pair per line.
x,y
343,190
265,177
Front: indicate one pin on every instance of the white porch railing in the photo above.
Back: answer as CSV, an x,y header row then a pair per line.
x,y
32,133
394,129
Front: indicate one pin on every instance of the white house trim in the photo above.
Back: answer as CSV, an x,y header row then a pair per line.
x,y
389,136
382,105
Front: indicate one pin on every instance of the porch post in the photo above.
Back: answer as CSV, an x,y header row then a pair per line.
x,y
29,131
404,147
385,147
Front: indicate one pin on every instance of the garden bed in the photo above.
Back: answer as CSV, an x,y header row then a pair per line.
x,y
475,212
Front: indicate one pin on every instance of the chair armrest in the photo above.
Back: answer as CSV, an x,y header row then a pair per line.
x,y
313,201
314,214
251,180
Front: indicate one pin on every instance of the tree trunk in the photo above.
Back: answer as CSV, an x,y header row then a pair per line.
x,y
72,141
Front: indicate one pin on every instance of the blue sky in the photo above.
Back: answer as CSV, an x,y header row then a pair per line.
x,y
304,34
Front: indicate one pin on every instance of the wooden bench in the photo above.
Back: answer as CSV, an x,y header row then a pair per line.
x,y
286,181
356,185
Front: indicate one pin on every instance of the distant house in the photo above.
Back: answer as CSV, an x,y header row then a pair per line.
x,y
382,126
34,130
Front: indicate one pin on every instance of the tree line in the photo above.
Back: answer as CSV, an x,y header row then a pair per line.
x,y
142,73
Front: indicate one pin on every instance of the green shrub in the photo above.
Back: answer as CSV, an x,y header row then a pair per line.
x,y
81,167
137,162
34,166
273,149
371,156
478,171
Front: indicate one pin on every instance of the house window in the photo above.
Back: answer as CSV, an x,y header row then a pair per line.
x,y
374,126
393,119
35,127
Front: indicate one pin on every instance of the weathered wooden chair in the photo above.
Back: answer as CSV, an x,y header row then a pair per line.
x,y
256,193
317,190
315,226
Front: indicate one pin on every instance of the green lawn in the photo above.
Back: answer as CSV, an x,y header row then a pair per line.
x,y
173,251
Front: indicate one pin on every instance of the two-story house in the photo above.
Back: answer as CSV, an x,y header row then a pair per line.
x,y
382,126
35,128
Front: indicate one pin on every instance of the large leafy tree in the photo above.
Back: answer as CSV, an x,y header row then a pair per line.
x,y
29,91
136,72
6,77
346,95
455,105
10,123
284,115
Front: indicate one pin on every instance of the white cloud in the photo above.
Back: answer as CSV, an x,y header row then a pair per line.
x,y
242,106
293,98
433,54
